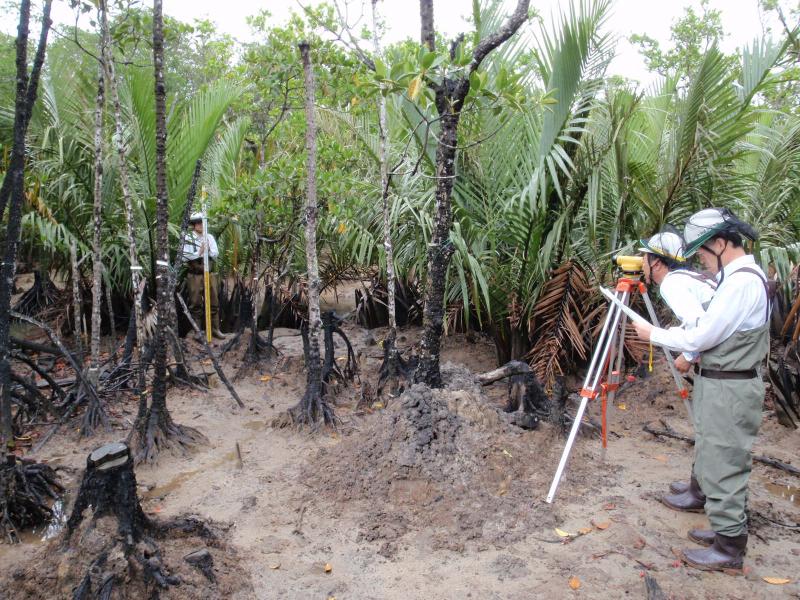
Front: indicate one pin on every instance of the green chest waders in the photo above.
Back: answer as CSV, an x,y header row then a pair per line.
x,y
728,398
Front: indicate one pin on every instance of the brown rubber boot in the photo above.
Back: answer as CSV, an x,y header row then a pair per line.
x,y
704,537
692,500
726,553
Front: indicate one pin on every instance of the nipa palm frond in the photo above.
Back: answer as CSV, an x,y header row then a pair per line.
x,y
557,319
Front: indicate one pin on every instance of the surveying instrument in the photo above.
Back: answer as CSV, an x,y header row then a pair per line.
x,y
605,369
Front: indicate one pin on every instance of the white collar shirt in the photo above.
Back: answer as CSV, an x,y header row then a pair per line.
x,y
687,293
739,304
192,243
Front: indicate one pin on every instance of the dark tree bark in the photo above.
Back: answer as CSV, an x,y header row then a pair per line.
x,y
25,97
313,407
155,430
30,98
450,96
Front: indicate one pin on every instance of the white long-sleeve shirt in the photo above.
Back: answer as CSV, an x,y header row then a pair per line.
x,y
192,243
739,304
686,293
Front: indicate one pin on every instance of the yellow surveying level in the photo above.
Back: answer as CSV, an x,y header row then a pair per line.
x,y
630,264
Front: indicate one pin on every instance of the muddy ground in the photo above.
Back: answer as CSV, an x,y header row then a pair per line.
x,y
377,510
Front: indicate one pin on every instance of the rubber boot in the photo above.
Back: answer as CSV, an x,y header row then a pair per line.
x,y
678,487
215,332
726,553
704,537
692,500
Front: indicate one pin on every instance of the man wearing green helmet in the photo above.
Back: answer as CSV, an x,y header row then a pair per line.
x,y
732,338
687,294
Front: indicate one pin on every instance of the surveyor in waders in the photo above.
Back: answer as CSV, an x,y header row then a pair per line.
x,y
732,338
687,294
193,250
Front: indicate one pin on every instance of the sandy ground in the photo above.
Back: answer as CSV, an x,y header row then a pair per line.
x,y
287,525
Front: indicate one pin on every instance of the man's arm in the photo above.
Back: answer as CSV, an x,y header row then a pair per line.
x,y
731,306
213,250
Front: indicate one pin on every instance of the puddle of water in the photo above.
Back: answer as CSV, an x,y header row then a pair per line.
x,y
788,492
256,425
170,486
47,532
177,481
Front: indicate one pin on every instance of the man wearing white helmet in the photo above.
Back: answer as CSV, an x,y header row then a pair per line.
x,y
687,294
733,339
194,246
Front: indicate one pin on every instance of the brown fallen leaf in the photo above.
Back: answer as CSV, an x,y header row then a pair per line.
x,y
585,530
266,377
622,406
574,583
777,580
328,567
377,405
661,458
609,506
274,567
603,525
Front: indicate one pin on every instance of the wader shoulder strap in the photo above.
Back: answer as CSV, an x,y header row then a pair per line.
x,y
770,287
698,277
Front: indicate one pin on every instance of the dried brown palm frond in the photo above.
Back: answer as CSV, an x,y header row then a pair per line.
x,y
557,322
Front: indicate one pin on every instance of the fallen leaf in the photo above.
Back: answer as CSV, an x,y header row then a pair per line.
x,y
585,530
377,405
328,567
562,533
609,506
274,567
266,377
574,583
603,525
206,361
622,406
639,543
661,458
777,580
507,453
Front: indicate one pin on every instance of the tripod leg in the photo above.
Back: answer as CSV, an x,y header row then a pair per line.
x,y
596,367
679,383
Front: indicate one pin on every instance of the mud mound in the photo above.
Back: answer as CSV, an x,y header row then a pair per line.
x,y
56,570
442,458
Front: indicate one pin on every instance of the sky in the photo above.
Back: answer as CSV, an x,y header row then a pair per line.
x,y
740,18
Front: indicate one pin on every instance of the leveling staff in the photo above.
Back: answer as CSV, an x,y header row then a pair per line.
x,y
733,339
687,294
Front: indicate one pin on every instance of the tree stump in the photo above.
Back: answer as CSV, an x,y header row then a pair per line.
x,y
109,488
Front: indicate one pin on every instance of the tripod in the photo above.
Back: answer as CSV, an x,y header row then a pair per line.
x,y
608,359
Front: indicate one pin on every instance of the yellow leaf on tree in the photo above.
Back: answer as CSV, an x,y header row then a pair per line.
x,y
328,567
341,229
562,533
415,87
777,580
574,583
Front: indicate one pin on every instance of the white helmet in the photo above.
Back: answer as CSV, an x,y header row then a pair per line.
x,y
196,217
666,245
711,222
